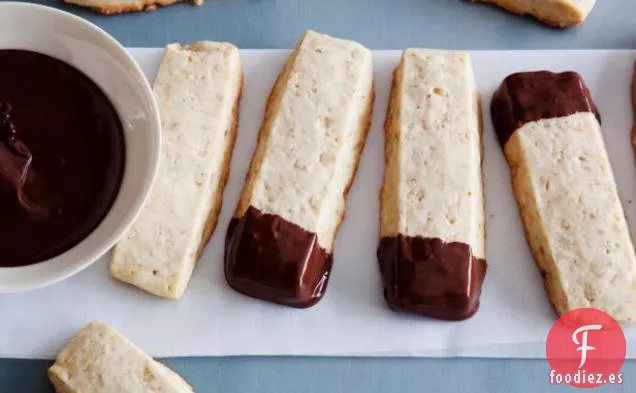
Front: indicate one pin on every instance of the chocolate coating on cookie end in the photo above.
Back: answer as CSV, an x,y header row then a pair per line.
x,y
530,96
270,258
430,277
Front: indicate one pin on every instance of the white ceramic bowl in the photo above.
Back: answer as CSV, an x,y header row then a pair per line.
x,y
95,53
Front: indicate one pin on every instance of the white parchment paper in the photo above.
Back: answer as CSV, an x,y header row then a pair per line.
x,y
352,318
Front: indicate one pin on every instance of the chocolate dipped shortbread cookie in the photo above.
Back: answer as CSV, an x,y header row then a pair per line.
x,y
279,245
432,247
550,131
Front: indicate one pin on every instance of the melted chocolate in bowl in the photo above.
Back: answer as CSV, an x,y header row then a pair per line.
x,y
62,157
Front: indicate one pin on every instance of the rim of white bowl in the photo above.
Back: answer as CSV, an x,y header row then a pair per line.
x,y
138,203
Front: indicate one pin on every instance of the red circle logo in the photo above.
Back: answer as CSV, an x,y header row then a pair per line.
x,y
586,349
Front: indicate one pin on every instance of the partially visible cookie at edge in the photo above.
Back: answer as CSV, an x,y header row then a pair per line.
x,y
99,359
634,108
557,13
113,7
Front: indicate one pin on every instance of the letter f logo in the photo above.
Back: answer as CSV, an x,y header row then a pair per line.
x,y
583,344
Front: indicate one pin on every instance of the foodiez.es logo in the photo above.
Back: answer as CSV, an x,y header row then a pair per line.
x,y
586,348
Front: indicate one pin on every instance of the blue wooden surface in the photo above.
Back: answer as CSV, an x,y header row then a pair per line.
x,y
335,375
379,24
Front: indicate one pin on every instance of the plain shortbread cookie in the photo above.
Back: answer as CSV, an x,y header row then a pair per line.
x,y
198,88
